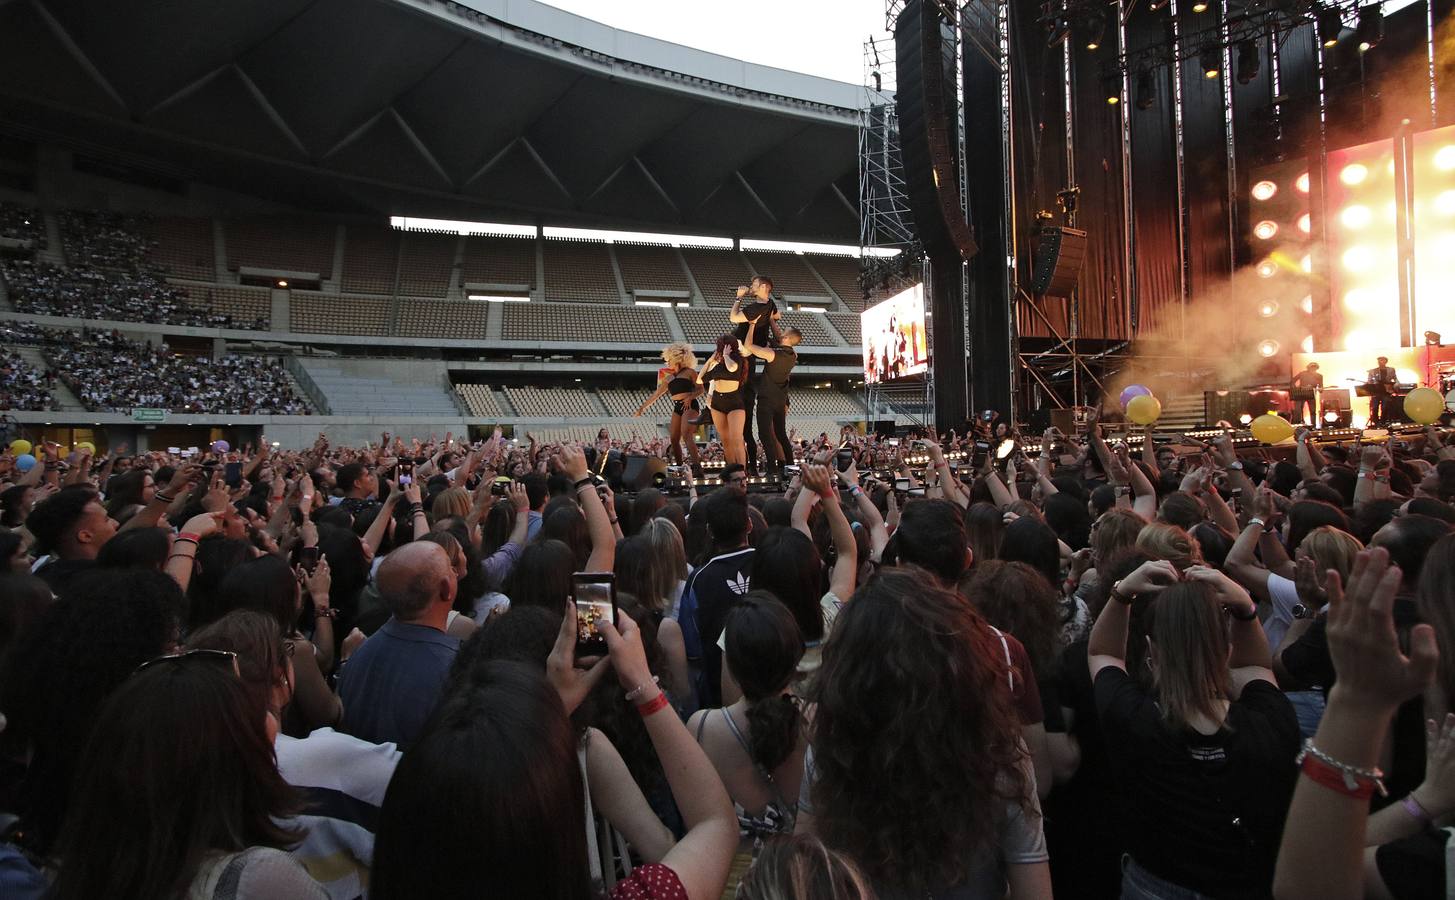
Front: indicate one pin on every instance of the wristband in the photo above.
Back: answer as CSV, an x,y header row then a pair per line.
x,y
165,498
1256,521
580,483
1118,596
1416,810
187,536
181,556
655,705
325,612
1343,778
1242,618
1236,464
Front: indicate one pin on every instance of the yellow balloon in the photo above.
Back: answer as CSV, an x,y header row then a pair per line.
x,y
87,446
20,446
1271,429
1424,405
1144,409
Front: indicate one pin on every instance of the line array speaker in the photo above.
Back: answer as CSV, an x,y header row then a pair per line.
x,y
1057,260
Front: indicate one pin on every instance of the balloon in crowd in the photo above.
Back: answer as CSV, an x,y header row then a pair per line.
x,y
1272,429
86,446
1423,405
1132,392
1144,409
25,462
20,446
220,446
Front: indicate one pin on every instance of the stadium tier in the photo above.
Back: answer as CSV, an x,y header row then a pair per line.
x,y
650,268
542,402
184,247
584,322
815,332
479,400
718,273
499,260
371,260
241,307
282,244
847,325
463,319
790,275
320,313
426,262
624,403
579,271
22,223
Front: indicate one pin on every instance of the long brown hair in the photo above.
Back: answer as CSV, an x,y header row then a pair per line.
x,y
1434,598
179,766
260,647
913,682
1019,600
1191,637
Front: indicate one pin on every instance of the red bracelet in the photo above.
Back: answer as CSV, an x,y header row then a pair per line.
x,y
188,536
655,705
1321,773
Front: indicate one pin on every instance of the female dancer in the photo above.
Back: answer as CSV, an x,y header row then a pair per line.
x,y
727,370
678,379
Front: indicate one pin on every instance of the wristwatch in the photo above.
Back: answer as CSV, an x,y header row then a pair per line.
x,y
1236,464
1300,611
1257,521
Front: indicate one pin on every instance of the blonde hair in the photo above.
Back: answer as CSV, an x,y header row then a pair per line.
x,y
668,552
1331,548
1191,637
450,503
1162,541
1114,531
802,867
679,355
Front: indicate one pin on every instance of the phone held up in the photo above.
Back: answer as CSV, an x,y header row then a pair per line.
x,y
406,472
308,559
594,596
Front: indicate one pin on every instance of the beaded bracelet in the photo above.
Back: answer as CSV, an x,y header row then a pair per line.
x,y
1338,776
632,695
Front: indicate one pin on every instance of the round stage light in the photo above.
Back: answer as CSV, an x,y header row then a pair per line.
x,y
1304,223
1307,263
1359,299
1358,259
1264,190
1307,344
1445,158
1331,417
1112,99
1301,183
1265,229
1267,268
1268,309
1200,6
1354,173
1245,419
1355,216
1267,347
1445,203
1307,304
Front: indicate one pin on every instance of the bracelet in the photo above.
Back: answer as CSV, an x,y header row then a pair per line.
x,y
1349,780
1256,521
1240,618
634,693
188,536
856,491
580,483
611,521
325,612
163,497
1416,809
1118,596
181,556
653,706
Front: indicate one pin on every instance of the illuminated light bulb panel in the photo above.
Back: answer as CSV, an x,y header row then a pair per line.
x,y
1279,226
1362,260
1434,233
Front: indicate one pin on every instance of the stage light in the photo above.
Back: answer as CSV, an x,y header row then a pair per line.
x,y
1354,173
1249,61
1267,268
1059,30
1307,304
1389,212
282,283
1307,263
1265,229
1445,203
1146,90
1210,57
1268,309
1199,7
1301,183
1330,23
1370,29
1358,259
1307,344
1264,190
1355,216
1432,339
1267,347
1359,341
1246,418
1095,31
1445,158
1360,299
1304,224
1112,99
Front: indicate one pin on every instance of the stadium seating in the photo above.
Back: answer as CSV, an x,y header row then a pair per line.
x,y
824,404
23,386
183,247
650,268
374,387
640,429
425,262
552,402
289,244
22,223
244,307
718,273
371,260
842,274
847,325
499,260
815,332
624,403
317,313
789,274
579,271
479,399
453,319
703,326
580,322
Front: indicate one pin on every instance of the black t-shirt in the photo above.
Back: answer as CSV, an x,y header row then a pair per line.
x,y
710,593
60,572
1206,811
1413,868
772,383
762,314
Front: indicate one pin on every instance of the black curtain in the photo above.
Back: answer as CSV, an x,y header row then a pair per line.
x,y
1155,215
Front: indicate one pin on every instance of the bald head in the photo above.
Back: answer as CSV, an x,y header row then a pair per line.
x,y
417,580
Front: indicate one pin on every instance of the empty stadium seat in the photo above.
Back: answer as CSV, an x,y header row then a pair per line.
x,y
815,332
580,271
281,243
425,262
456,319
650,268
552,402
789,274
479,399
183,247
624,403
582,322
847,325
824,404
317,313
718,273
499,260
371,259
703,326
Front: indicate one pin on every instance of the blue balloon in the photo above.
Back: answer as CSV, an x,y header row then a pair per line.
x,y
1134,390
24,462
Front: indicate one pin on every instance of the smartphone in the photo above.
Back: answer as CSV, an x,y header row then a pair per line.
x,y
406,472
308,559
892,442
901,484
500,485
594,596
844,458
232,474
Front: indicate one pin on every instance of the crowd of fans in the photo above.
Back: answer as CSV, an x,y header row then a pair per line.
x,y
23,224
1167,670
22,386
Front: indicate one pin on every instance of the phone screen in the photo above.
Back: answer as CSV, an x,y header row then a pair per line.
x,y
901,484
406,473
594,595
844,458
232,474
308,559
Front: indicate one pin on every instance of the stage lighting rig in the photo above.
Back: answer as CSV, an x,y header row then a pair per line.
x,y
1370,30
1210,58
1146,89
1249,61
1330,23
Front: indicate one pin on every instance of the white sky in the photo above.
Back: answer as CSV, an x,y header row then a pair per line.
x,y
816,37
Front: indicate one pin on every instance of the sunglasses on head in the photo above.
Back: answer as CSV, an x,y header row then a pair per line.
x,y
221,657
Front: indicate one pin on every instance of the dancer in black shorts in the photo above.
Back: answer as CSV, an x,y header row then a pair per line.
x,y
727,372
678,380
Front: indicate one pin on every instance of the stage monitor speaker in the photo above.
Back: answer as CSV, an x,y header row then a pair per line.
x,y
1223,406
643,472
1057,260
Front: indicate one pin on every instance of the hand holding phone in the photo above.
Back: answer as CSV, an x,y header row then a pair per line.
x,y
593,594
406,473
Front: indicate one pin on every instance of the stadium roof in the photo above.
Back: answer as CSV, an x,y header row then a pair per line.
x,y
506,108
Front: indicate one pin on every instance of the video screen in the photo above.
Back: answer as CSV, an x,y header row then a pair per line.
x,y
593,606
894,337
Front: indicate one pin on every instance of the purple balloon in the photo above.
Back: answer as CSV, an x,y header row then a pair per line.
x,y
1134,390
220,446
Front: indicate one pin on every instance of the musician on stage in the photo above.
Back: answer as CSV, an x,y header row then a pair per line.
x,y
760,311
1381,381
1303,391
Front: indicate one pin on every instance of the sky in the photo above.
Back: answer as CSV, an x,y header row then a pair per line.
x,y
816,37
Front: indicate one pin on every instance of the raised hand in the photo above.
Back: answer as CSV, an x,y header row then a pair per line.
x,y
1373,672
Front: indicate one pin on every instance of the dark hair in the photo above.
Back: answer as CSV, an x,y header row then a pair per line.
x,y
727,349
10,502
180,753
726,515
984,530
266,584
125,490
1409,539
1283,476
1342,479
1032,542
26,598
1018,600
1419,506
787,566
138,548
1306,515
764,646
565,522
674,513
495,529
764,279
260,646
347,475
524,634
1192,637
911,674
778,511
348,569
216,556
542,575
1103,497
471,586
1214,542
1317,490
1433,597
931,535
53,518
1069,518
644,506
103,627
1181,509
491,785
10,541
536,489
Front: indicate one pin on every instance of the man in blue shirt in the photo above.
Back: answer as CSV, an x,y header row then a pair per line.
x,y
390,685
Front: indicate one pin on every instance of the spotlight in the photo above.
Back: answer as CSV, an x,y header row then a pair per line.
x,y
1146,90
1307,344
1245,419
1445,158
1265,229
1432,339
1370,29
1210,57
1445,203
1307,304
1249,61
1200,6
1267,347
1358,258
1353,174
1307,263
1267,268
1301,183
1304,224
1112,99
1330,23
1355,216
1264,190
1095,31
282,283
1268,309
1331,417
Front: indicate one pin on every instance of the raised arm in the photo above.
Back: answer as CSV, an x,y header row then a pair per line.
x,y
377,528
949,486
845,573
598,523
868,512
151,514
656,395
1108,643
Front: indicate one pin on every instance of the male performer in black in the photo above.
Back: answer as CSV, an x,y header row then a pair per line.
x,y
1305,384
760,315
772,390
1381,382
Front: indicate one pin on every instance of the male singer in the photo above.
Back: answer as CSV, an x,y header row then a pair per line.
x,y
772,390
1381,381
763,313
1305,384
